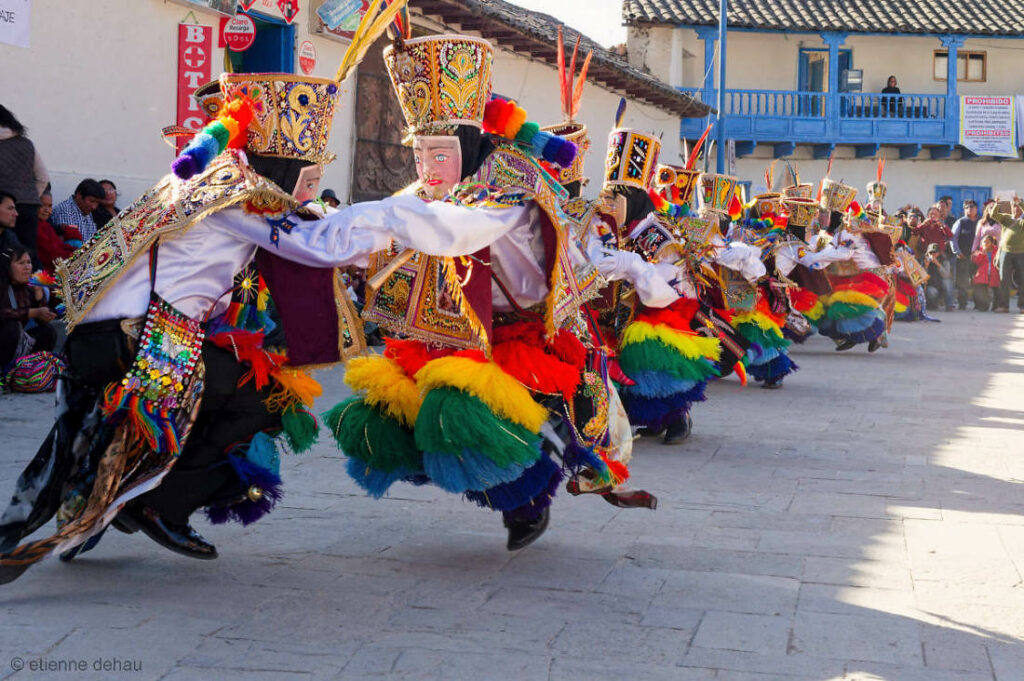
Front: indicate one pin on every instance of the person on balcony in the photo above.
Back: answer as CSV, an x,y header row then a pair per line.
x,y
893,104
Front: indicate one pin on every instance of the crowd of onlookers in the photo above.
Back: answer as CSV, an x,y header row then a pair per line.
x,y
976,259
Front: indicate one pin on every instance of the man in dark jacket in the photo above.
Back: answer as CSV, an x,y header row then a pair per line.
x,y
961,243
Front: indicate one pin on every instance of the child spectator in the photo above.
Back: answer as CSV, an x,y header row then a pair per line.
x,y
986,279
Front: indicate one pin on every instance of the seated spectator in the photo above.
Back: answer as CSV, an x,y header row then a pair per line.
x,y
25,314
49,244
77,209
8,220
940,278
107,209
986,278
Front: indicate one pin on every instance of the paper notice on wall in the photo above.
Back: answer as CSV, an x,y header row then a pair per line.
x,y
15,24
987,125
1019,113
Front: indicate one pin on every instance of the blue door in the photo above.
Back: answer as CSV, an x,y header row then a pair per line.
x,y
273,50
812,76
961,194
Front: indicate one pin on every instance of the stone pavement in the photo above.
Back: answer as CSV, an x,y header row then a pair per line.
x,y
866,522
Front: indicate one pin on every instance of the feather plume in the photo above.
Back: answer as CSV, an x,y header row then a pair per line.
x,y
828,168
695,152
881,166
567,95
793,173
620,113
370,28
577,93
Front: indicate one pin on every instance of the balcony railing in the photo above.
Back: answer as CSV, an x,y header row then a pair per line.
x,y
789,117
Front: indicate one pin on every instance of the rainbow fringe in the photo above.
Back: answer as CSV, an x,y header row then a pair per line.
x,y
152,425
668,363
767,357
853,310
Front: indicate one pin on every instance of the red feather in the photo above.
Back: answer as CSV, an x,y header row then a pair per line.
x,y
562,76
692,160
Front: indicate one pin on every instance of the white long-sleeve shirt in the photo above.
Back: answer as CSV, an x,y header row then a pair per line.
x,y
196,268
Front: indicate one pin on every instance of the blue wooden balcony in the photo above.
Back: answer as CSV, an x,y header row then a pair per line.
x,y
866,121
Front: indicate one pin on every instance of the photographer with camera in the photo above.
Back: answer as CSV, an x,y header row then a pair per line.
x,y
940,278
1010,214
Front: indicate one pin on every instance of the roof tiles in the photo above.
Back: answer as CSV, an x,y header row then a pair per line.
x,y
974,17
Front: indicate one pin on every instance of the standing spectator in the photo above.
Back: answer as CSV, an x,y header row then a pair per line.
x,y
964,231
1011,254
946,207
24,314
933,231
8,219
22,174
986,279
940,278
107,209
894,103
986,227
51,246
78,209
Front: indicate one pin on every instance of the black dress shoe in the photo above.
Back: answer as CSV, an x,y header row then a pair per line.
x,y
773,384
874,345
178,538
649,432
522,533
845,345
679,429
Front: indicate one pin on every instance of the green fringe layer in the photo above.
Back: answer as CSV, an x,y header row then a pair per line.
x,y
653,355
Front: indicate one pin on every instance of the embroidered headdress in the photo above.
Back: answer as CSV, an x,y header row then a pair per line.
x,y
877,188
632,158
571,91
442,81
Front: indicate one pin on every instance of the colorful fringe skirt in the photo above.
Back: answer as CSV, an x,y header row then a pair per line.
x,y
470,424
767,358
668,363
853,310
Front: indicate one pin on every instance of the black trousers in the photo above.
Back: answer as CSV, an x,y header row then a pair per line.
x,y
229,415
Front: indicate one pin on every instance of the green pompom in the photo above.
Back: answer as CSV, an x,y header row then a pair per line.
x,y
526,133
220,133
839,311
301,429
451,421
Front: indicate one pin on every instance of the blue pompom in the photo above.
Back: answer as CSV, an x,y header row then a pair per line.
x,y
566,154
540,140
185,166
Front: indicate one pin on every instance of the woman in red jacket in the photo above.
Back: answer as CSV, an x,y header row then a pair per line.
x,y
49,245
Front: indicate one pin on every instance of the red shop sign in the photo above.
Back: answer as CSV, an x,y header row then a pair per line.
x,y
195,52
239,33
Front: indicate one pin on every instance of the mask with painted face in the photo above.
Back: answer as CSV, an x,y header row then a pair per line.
x,y
438,163
308,184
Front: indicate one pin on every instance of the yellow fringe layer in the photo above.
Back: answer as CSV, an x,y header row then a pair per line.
x,y
386,386
816,311
900,308
485,381
763,321
853,298
690,346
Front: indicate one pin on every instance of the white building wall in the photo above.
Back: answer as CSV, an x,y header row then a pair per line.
x,y
770,61
99,82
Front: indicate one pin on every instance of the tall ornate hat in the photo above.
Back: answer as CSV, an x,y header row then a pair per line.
x,y
676,183
442,81
836,196
632,158
571,92
877,188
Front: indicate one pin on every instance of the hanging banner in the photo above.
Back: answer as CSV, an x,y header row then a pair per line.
x,y
1019,113
341,17
279,9
195,52
226,7
987,125
15,22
